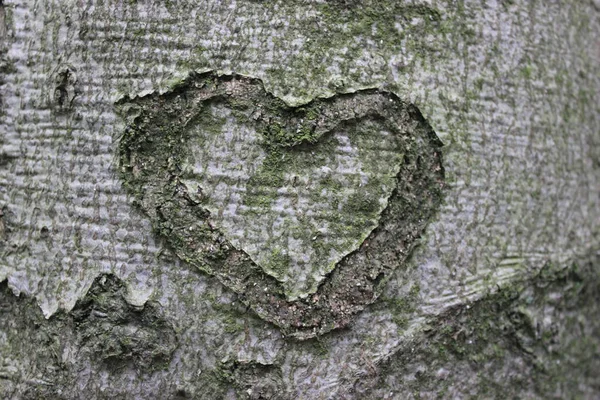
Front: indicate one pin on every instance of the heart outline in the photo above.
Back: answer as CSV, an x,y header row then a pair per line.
x,y
230,165
149,157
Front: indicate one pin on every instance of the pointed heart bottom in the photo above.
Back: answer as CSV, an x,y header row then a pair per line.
x,y
296,221
303,211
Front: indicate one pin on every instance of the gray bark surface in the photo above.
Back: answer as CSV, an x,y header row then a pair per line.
x,y
499,299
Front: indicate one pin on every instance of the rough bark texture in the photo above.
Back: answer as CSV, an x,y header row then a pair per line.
x,y
499,300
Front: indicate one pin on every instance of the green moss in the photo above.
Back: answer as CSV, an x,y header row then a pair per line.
x,y
362,203
232,325
527,71
318,346
278,263
402,308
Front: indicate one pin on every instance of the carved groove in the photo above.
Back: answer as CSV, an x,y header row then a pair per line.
x,y
303,211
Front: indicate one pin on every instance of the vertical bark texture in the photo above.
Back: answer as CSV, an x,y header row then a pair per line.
x,y
500,298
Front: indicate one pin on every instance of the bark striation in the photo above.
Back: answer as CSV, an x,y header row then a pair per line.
x,y
511,88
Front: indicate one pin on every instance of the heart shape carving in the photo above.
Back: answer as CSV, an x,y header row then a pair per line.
x,y
295,213
303,211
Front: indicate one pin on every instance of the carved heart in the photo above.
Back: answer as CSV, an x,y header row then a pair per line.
x,y
295,213
322,200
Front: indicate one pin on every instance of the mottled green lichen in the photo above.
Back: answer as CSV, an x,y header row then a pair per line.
x,y
402,308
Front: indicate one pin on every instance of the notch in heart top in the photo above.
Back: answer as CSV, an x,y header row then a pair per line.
x,y
303,211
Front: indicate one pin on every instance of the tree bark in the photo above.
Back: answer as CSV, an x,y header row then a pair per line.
x,y
495,294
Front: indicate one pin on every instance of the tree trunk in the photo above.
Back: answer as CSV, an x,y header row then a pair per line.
x,y
455,255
